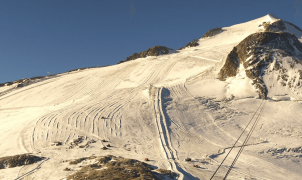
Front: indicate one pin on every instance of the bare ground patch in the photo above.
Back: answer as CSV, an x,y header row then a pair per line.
x,y
18,160
111,167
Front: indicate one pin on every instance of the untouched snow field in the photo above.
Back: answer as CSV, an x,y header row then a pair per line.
x,y
165,108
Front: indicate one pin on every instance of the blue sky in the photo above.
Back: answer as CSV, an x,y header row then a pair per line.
x,y
40,36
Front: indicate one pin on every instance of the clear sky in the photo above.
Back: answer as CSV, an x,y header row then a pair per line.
x,y
40,36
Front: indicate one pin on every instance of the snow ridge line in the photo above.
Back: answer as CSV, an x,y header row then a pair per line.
x,y
157,121
164,128
169,145
28,88
205,74
163,132
165,72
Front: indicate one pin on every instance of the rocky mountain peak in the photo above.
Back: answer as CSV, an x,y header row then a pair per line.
x,y
193,43
212,32
259,50
153,51
277,26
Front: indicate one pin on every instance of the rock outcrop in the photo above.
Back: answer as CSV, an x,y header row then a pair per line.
x,y
193,43
112,167
212,32
18,160
277,26
257,51
153,51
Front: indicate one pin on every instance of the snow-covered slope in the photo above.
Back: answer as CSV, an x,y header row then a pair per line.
x,y
238,32
165,108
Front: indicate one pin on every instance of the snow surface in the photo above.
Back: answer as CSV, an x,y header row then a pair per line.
x,y
238,32
165,108
293,30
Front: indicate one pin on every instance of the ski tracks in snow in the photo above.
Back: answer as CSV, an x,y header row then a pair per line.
x,y
102,116
164,137
32,171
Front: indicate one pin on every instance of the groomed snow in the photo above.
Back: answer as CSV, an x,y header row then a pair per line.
x,y
165,108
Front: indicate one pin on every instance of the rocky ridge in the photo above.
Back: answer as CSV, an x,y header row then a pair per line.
x,y
212,32
259,50
153,51
277,26
18,160
193,43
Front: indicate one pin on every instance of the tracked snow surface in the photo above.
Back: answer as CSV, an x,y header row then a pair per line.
x,y
191,103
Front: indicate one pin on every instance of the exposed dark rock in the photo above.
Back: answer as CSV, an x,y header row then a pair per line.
x,y
300,74
193,43
188,159
133,56
120,168
284,77
256,52
56,143
276,66
260,87
8,83
76,142
104,160
153,51
76,161
231,65
284,150
212,32
18,160
283,83
277,26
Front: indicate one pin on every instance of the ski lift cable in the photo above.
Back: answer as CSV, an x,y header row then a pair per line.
x,y
237,140
245,142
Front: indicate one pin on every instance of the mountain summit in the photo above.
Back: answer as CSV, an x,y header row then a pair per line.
x,y
259,54
265,53
165,114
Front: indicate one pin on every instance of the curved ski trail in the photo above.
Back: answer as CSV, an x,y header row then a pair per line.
x,y
169,152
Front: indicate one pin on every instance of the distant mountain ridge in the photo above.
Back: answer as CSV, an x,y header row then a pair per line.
x,y
275,38
153,51
161,50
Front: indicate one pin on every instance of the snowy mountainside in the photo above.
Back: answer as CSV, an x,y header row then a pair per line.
x,y
266,49
166,108
238,32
